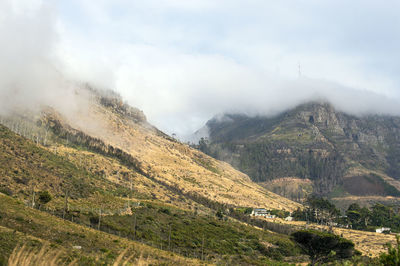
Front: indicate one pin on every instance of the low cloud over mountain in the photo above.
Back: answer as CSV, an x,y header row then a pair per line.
x,y
196,59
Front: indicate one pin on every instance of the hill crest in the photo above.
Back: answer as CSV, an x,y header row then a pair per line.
x,y
312,141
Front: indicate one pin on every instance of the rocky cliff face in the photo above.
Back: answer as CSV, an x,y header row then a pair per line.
x,y
312,141
114,102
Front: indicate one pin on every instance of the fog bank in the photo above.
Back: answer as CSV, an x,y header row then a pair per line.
x,y
195,60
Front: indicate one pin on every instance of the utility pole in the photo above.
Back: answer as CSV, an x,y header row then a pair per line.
x,y
130,194
169,238
299,68
65,204
33,194
134,227
306,219
202,248
98,226
161,240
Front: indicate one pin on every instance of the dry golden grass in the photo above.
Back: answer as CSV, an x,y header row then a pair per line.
x,y
122,260
175,163
289,187
117,173
367,201
369,243
50,230
45,256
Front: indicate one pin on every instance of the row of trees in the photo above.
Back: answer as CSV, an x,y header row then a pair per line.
x,y
321,211
34,131
324,247
379,215
317,210
270,160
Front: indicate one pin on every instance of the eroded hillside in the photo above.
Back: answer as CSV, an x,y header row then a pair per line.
x,y
105,125
107,169
341,154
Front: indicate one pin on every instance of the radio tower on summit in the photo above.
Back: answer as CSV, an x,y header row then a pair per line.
x,y
299,69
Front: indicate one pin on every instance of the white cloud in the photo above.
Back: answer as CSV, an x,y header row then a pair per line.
x,y
26,42
182,62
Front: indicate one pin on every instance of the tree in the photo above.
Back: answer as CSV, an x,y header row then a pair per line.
x,y
203,145
44,197
392,257
354,219
381,215
323,246
354,207
320,210
354,216
365,216
248,210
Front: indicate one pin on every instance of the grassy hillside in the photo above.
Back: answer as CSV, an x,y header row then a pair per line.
x,y
102,214
368,243
110,183
23,225
161,158
24,165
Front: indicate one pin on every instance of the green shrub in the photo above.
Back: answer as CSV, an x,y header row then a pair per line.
x,y
219,214
392,257
44,197
323,246
165,210
94,219
104,250
6,191
3,261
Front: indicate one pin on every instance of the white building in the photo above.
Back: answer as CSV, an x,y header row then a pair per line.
x,y
262,212
289,218
382,230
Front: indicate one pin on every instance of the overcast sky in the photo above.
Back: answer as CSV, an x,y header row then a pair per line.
x,y
183,61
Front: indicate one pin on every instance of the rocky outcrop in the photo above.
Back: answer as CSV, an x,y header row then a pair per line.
x,y
323,142
119,107
114,102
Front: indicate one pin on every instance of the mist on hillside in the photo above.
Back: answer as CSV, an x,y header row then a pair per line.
x,y
44,59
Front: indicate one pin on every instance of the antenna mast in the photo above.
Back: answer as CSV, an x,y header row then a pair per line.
x,y
299,69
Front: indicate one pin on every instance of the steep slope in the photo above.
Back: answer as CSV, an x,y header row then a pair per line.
x,y
159,157
21,225
96,184
103,124
341,154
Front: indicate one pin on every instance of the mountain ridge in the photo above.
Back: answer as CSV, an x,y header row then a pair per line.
x,y
104,168
312,141
108,126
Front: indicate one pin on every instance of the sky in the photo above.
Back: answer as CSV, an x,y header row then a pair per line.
x,y
184,61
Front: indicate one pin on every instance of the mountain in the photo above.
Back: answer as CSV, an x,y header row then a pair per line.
x,y
311,148
100,177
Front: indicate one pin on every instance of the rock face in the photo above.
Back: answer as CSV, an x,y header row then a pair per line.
x,y
312,141
114,101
